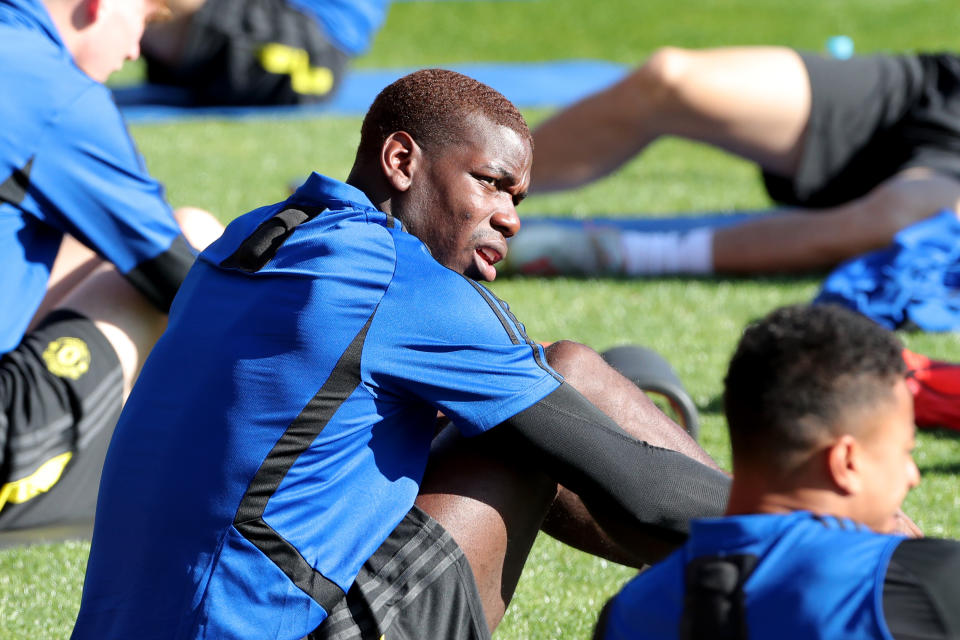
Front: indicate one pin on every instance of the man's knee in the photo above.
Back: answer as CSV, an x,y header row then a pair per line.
x,y
663,77
911,196
199,227
572,360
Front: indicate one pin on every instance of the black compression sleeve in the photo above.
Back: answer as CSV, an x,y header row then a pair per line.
x,y
159,278
587,452
921,595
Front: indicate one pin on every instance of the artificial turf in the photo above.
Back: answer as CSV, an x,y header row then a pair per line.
x,y
230,167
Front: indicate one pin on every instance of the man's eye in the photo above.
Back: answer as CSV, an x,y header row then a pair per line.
x,y
490,180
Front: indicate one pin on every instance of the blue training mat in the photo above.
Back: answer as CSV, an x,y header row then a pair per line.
x,y
531,84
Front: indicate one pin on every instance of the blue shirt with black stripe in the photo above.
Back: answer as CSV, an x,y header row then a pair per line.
x,y
766,576
280,428
67,165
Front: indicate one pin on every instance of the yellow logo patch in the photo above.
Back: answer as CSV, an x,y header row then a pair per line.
x,y
40,481
281,59
67,357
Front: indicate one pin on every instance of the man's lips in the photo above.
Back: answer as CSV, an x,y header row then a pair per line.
x,y
492,256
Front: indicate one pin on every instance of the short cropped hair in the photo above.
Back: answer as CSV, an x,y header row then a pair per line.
x,y
794,375
432,105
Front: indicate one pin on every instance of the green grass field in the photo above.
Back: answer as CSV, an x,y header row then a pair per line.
x,y
230,167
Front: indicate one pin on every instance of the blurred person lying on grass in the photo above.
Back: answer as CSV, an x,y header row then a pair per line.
x,y
855,149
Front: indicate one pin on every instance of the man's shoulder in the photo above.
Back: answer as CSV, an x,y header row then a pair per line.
x,y
307,237
41,61
45,81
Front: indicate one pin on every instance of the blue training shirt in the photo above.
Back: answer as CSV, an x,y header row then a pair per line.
x,y
280,428
67,165
812,578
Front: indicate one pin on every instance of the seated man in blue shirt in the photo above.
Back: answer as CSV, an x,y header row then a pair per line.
x,y
92,254
259,52
821,426
269,476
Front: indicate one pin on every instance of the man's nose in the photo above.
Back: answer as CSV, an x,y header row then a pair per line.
x,y
914,474
506,220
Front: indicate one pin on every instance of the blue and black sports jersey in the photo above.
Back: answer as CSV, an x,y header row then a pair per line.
x,y
67,165
280,427
761,576
350,24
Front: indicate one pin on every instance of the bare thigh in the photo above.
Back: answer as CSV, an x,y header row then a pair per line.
x,y
73,264
751,101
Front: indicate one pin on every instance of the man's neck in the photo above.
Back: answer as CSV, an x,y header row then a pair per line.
x,y
374,189
760,494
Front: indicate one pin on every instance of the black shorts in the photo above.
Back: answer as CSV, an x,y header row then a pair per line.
x,y
253,52
872,117
417,585
61,391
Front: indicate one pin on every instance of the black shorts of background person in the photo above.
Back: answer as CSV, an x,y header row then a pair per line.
x,y
61,393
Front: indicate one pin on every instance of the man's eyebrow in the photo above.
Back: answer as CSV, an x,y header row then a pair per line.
x,y
500,170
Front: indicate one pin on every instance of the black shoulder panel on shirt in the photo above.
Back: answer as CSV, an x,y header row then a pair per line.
x,y
714,602
160,277
921,591
14,188
258,249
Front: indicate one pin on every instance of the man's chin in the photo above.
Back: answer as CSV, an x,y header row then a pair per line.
x,y
486,274
479,277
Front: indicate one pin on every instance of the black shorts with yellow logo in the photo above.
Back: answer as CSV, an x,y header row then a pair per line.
x,y
253,52
61,391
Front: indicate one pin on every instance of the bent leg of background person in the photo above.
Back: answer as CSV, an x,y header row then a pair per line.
x,y
751,101
494,504
200,227
75,262
68,380
130,322
71,374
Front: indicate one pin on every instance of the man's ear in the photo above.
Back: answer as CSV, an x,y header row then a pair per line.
x,y
843,465
91,10
400,158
